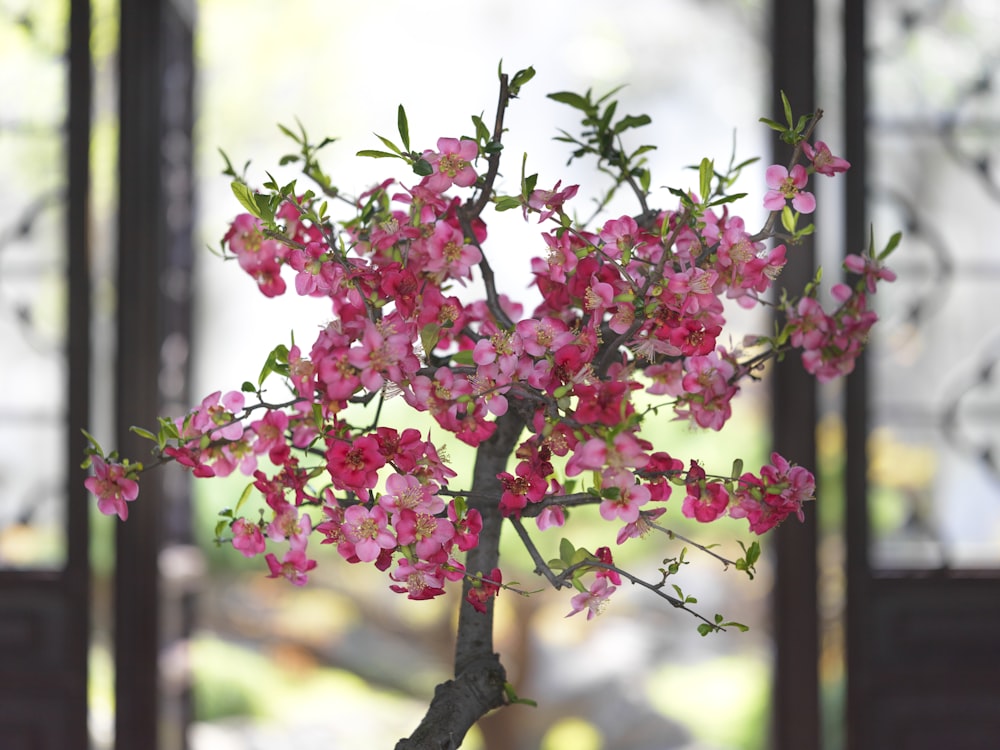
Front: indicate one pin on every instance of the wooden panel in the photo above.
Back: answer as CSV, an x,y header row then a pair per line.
x,y
42,690
931,664
33,624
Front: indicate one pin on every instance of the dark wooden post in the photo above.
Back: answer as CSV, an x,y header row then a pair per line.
x,y
796,719
154,236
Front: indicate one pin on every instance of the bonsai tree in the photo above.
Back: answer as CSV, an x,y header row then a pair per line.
x,y
630,328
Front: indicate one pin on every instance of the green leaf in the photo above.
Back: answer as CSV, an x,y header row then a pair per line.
x,y
705,172
566,550
290,134
429,336
265,207
737,468
890,246
404,128
244,496
143,433
507,202
482,132
774,125
93,441
726,199
246,197
631,121
374,154
229,171
520,78
277,361
512,697
463,357
788,219
574,100
422,167
389,144
705,628
377,154
788,110
645,177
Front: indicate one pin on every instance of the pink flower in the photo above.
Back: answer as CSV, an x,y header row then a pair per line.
x,y
247,538
366,530
419,579
619,235
113,487
289,525
383,355
270,432
216,417
551,515
641,526
626,497
452,164
294,567
539,337
625,451
871,269
405,492
824,162
448,254
429,534
550,200
784,186
594,600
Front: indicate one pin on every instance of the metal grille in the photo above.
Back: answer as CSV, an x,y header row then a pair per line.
x,y
33,293
934,137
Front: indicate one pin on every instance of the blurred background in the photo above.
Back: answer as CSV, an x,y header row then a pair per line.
x,y
872,625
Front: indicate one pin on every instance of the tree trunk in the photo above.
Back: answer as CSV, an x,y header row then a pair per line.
x,y
478,685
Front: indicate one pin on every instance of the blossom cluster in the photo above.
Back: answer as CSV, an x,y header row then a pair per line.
x,y
632,308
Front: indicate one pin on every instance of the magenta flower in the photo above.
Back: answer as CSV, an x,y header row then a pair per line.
x,y
706,500
778,492
354,466
484,588
785,185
